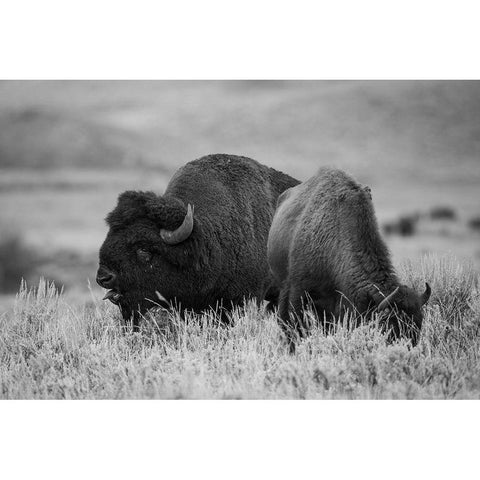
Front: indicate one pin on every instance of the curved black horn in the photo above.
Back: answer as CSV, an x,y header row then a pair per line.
x,y
386,301
172,237
426,294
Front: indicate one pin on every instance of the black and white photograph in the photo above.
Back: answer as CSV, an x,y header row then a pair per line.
x,y
239,240
310,240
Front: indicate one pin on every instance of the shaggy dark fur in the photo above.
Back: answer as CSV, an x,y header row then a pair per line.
x,y
324,245
223,261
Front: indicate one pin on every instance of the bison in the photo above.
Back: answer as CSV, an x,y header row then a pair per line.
x,y
325,249
202,244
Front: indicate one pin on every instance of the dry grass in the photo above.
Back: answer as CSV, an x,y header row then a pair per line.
x,y
49,350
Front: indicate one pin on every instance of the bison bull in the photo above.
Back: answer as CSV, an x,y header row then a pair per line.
x,y
324,248
202,244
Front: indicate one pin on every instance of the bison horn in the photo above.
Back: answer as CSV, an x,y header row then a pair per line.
x,y
172,237
386,301
426,293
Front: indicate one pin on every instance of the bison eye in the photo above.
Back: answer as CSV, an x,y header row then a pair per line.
x,y
143,255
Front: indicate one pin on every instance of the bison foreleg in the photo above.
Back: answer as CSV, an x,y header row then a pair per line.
x,y
290,313
272,297
284,318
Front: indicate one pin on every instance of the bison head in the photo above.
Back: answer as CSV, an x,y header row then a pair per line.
x,y
402,313
150,253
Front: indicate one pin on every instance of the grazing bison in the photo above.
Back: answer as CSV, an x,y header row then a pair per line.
x,y
324,247
202,244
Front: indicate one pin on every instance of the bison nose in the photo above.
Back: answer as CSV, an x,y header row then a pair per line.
x,y
105,278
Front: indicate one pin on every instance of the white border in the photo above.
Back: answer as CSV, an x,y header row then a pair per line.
x,y
231,439
217,39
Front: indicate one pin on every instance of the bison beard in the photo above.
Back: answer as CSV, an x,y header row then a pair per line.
x,y
203,244
325,250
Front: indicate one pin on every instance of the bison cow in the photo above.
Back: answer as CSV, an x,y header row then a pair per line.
x,y
202,244
325,250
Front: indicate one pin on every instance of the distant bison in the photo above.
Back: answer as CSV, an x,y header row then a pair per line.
x,y
202,244
324,247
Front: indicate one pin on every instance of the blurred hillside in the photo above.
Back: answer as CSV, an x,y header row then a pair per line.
x,y
67,149
357,125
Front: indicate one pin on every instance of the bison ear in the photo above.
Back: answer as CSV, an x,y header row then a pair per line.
x,y
163,210
172,237
173,217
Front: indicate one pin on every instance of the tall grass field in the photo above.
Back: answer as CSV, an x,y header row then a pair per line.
x,y
50,350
